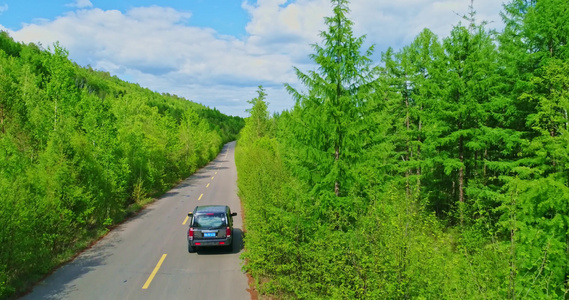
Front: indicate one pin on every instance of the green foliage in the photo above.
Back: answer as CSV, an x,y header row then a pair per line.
x,y
328,122
439,174
79,150
257,124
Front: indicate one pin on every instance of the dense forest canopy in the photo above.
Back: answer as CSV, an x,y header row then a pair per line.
x,y
80,150
439,172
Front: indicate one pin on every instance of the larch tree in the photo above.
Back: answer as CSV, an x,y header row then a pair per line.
x,y
537,217
332,110
416,78
468,86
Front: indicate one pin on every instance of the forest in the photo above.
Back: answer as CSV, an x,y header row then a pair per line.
x,y
80,151
439,172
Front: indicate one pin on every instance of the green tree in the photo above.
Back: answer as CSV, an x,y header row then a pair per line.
x,y
535,53
329,119
257,124
79,150
414,77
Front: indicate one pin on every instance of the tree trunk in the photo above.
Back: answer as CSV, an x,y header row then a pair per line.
x,y
409,154
566,120
461,170
337,144
338,124
513,273
552,134
461,177
2,118
419,158
55,117
337,184
484,169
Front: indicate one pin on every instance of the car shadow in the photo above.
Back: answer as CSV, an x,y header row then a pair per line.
x,y
236,247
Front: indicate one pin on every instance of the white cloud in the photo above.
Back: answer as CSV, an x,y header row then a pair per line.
x,y
155,47
3,8
158,15
397,23
286,29
80,4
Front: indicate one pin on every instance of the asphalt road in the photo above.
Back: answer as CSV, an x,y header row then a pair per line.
x,y
120,265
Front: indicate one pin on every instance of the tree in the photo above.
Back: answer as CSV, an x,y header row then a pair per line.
x,y
415,77
534,47
469,84
330,115
79,150
257,124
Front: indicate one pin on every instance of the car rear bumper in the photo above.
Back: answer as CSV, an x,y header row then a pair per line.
x,y
210,242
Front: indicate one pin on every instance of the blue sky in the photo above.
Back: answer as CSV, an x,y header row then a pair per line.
x,y
216,52
226,16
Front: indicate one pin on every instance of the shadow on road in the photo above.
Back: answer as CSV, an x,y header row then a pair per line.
x,y
63,284
190,181
236,247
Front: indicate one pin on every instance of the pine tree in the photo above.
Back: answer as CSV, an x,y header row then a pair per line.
x,y
469,85
415,74
535,53
330,117
257,124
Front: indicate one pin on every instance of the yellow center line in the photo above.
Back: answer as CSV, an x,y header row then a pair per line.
x,y
207,185
200,198
211,177
186,220
154,272
215,173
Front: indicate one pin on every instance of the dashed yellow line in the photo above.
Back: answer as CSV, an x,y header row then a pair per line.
x,y
186,220
200,198
207,185
154,272
211,177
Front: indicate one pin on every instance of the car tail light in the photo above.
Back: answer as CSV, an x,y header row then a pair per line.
x,y
228,232
222,243
191,234
197,244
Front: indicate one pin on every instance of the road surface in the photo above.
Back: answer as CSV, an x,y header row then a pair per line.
x,y
147,256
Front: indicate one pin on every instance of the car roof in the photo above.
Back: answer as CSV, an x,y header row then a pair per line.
x,y
210,209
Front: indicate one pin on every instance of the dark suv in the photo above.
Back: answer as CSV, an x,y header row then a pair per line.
x,y
210,225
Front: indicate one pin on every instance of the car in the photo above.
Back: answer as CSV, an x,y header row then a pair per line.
x,y
210,225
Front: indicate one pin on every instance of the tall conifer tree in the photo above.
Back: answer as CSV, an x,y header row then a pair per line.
x,y
331,114
535,51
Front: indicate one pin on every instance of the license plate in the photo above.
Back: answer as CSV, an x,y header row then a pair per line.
x,y
209,234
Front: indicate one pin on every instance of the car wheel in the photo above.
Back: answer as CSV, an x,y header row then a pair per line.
x,y
191,249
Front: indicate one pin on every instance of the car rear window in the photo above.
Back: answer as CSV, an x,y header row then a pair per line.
x,y
209,220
